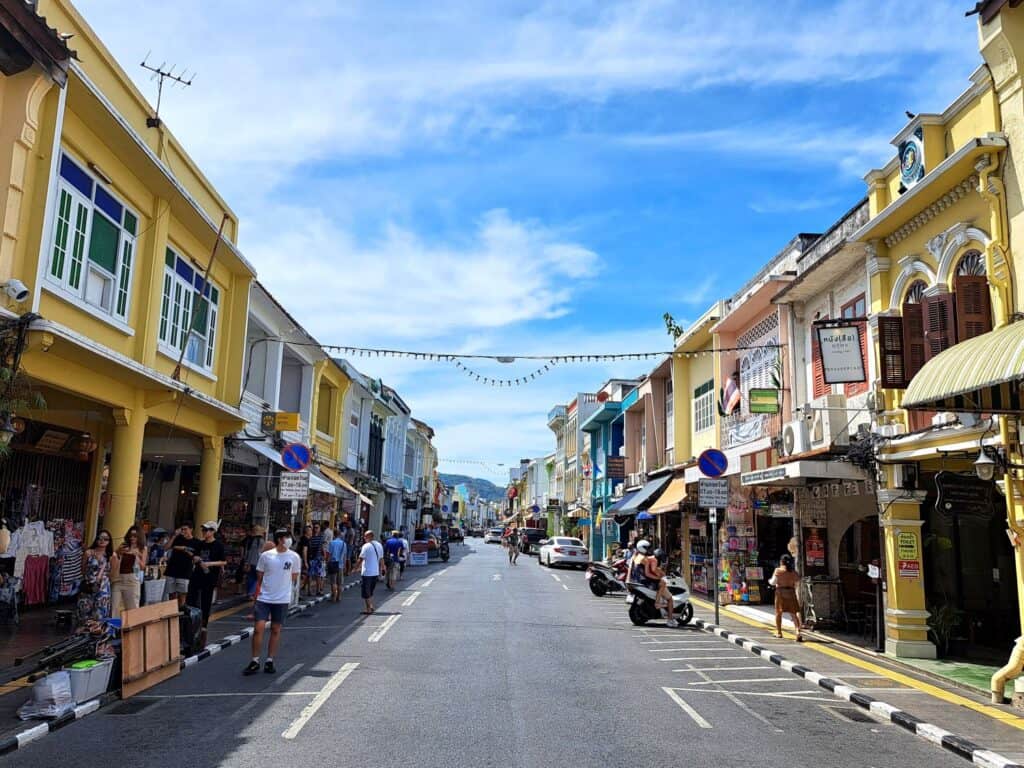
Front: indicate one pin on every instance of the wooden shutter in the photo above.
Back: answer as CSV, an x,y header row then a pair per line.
x,y
939,323
819,387
973,306
913,340
890,352
858,387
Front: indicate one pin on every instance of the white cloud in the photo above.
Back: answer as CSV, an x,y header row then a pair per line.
x,y
400,286
778,204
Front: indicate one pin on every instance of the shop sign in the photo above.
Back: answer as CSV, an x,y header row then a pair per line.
x,y
293,486
611,528
910,568
906,546
874,571
279,421
837,490
713,492
763,400
814,547
963,495
841,358
615,467
762,476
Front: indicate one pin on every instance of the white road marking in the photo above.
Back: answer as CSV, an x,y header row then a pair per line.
x,y
692,668
693,713
442,571
700,658
743,680
803,695
555,576
729,695
383,628
430,581
565,587
695,646
495,577
216,695
410,599
321,698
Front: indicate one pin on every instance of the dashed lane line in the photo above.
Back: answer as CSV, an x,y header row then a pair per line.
x,y
788,678
430,581
692,668
383,628
555,576
321,698
410,599
566,588
700,658
693,713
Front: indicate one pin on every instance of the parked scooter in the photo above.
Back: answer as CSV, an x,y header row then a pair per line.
x,y
641,601
603,578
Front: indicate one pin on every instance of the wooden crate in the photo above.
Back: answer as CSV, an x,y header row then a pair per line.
x,y
150,646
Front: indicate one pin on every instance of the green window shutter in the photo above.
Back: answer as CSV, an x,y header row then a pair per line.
x,y
130,222
202,314
78,245
60,236
165,307
124,280
103,243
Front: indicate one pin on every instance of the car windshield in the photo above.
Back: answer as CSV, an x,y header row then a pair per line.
x,y
496,530
569,542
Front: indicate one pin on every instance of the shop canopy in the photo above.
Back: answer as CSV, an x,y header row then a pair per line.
x,y
339,479
796,472
319,484
642,499
980,375
614,508
671,498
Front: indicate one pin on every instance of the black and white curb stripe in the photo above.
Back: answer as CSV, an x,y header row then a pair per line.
x,y
933,733
26,737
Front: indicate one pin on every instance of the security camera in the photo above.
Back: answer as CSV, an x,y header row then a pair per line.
x,y
16,289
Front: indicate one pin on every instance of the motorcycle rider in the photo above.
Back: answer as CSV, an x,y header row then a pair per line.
x,y
644,569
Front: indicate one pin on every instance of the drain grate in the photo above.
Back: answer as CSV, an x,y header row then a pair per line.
x,y
131,707
851,714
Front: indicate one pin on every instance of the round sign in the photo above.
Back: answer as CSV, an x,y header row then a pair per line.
x,y
602,397
712,463
296,457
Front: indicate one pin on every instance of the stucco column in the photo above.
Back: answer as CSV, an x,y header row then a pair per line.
x,y
906,615
125,464
210,465
102,437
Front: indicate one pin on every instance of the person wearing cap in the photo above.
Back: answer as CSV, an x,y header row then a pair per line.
x,y
277,573
209,561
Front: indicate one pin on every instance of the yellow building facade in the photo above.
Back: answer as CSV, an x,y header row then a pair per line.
x,y
141,304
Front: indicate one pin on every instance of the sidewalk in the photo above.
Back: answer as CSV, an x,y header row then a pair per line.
x,y
938,704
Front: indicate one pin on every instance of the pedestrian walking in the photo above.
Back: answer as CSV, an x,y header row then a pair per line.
x,y
337,562
206,574
277,572
513,547
315,562
371,563
405,556
785,580
252,548
394,551
303,549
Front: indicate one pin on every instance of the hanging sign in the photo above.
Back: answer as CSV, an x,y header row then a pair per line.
x,y
712,463
910,568
279,421
713,493
841,358
763,400
293,486
296,457
615,467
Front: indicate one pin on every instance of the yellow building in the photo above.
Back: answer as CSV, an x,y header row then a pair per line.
x,y
938,279
141,307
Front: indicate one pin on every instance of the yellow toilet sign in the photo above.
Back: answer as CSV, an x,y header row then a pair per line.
x,y
906,546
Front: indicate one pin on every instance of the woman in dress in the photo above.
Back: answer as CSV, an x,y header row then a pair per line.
x,y
97,562
785,580
125,584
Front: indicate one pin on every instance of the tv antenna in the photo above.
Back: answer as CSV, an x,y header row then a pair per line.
x,y
161,74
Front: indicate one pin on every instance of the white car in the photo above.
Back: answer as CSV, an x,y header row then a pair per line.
x,y
562,550
493,535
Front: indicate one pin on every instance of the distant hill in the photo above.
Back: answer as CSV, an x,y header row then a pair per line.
x,y
485,489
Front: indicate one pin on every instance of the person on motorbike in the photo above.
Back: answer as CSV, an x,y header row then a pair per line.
x,y
644,569
664,596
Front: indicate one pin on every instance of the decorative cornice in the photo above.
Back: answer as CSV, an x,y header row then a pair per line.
x,y
877,265
954,195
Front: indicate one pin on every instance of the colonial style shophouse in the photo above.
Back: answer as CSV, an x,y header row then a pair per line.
x,y
556,491
129,260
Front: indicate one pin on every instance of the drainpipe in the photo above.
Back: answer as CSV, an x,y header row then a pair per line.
x,y
998,229
1015,666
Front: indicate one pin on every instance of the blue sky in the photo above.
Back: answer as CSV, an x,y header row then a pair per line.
x,y
532,178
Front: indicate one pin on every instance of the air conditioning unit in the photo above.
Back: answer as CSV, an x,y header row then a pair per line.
x,y
795,438
618,490
634,479
828,421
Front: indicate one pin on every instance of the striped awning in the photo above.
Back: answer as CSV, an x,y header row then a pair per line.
x,y
671,498
979,375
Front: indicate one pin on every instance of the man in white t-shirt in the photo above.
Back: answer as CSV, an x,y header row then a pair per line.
x,y
371,568
277,572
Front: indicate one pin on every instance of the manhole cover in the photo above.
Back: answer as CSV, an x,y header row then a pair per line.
x,y
853,715
131,707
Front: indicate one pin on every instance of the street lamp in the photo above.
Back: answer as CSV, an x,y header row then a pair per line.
x,y
984,466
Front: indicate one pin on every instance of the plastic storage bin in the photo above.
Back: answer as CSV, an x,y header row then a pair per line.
x,y
89,681
154,590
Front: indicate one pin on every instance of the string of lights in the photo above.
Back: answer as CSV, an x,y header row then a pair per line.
x,y
524,379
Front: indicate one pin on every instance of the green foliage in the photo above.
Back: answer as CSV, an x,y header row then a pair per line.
x,y
672,328
942,622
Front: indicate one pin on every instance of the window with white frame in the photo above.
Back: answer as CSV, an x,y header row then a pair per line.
x,y
93,242
704,406
188,300
353,437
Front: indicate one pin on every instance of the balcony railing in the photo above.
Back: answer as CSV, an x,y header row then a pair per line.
x,y
556,414
739,429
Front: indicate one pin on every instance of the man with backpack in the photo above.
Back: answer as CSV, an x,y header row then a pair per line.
x,y
395,552
371,567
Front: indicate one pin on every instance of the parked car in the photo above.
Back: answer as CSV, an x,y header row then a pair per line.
x,y
534,536
493,535
455,534
562,550
476,533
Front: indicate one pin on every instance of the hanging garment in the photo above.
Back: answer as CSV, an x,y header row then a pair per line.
x,y
37,569
33,539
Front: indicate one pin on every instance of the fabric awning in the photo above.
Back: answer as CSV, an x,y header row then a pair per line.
x,y
265,450
338,479
614,508
319,484
671,498
576,514
979,375
644,497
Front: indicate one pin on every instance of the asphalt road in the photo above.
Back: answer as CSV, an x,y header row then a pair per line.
x,y
481,664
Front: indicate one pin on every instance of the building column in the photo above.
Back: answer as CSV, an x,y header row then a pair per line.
x,y
125,465
95,492
210,468
906,615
